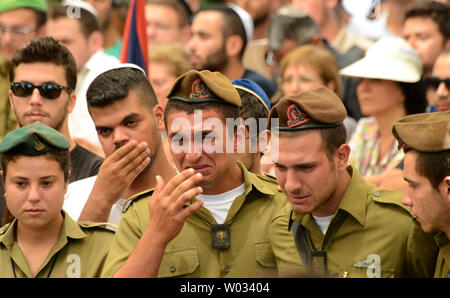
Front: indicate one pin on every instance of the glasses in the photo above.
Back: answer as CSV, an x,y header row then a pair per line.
x,y
434,82
16,32
47,90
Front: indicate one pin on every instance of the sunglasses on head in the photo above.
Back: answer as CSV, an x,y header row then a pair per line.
x,y
435,82
47,90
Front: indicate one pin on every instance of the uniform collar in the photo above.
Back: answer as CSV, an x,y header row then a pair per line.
x,y
355,197
441,239
352,202
70,229
252,180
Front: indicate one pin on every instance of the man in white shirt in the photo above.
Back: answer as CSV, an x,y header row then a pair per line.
x,y
127,117
82,35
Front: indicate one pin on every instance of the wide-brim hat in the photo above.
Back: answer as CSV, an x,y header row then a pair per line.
x,y
390,58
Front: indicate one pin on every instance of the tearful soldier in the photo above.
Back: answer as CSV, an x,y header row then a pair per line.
x,y
42,240
425,138
342,225
228,236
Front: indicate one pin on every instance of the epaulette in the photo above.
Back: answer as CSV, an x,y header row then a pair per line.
x,y
102,225
390,197
137,197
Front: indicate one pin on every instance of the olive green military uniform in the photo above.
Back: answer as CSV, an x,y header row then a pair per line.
x,y
377,237
190,254
80,251
8,120
443,261
429,133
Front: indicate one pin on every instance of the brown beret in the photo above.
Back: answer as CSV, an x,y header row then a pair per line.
x,y
319,108
426,132
204,86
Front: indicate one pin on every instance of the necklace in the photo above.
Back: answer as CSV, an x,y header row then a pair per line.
x,y
51,268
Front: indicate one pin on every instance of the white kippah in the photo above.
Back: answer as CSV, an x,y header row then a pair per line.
x,y
119,66
81,4
246,19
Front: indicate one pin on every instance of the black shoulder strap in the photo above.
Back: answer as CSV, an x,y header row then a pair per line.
x,y
302,242
314,260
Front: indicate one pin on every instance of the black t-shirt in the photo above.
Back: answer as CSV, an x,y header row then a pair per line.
x,y
84,163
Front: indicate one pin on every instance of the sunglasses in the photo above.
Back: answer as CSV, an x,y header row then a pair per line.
x,y
47,90
435,82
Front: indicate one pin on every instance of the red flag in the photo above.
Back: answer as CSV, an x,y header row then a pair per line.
x,y
134,48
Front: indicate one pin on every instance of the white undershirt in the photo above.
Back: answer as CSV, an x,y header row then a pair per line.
x,y
323,222
220,204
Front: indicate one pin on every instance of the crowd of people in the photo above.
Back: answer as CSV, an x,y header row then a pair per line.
x,y
269,138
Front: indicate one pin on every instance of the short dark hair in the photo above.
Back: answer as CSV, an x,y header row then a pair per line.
x,y
332,138
291,24
436,11
88,22
116,84
62,157
434,166
231,25
252,108
46,49
415,97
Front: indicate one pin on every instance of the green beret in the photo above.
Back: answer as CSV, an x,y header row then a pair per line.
x,y
204,86
34,139
318,108
6,5
426,132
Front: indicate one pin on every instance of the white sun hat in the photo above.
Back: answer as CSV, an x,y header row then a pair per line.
x,y
390,58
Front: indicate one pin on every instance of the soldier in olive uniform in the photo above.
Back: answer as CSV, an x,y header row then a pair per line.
x,y
42,240
425,138
228,236
342,225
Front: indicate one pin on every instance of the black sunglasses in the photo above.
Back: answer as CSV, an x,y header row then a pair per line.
x,y
47,90
435,82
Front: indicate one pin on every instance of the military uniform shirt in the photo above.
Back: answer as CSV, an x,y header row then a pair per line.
x,y
80,251
191,254
443,261
377,237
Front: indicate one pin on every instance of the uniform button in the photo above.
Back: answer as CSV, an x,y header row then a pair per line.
x,y
227,269
377,194
172,268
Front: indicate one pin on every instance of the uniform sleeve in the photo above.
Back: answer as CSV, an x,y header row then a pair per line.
x,y
125,240
283,245
422,253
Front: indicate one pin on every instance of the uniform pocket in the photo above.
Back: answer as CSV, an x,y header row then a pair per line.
x,y
179,262
264,254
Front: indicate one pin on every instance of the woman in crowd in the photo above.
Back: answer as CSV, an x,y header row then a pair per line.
x,y
391,88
